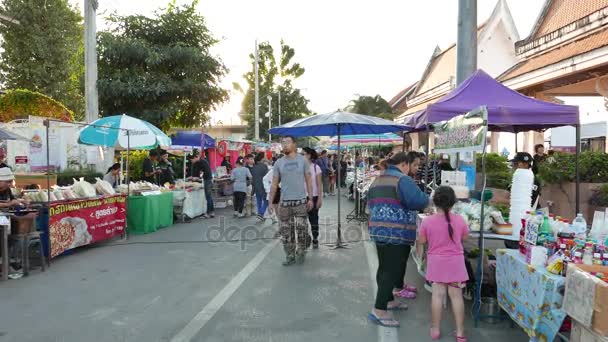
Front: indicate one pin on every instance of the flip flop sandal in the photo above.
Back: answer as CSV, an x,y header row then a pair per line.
x,y
406,294
435,334
410,288
399,307
384,322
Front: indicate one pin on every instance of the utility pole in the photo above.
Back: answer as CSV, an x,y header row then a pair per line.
x,y
279,91
269,115
90,61
466,46
257,94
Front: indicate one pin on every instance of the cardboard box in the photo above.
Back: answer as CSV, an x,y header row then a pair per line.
x,y
574,301
581,334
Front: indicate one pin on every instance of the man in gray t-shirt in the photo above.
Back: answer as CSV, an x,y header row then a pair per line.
x,y
292,172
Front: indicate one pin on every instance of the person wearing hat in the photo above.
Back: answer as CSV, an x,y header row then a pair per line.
x,y
7,199
524,160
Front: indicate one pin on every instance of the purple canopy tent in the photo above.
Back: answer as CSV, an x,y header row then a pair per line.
x,y
508,110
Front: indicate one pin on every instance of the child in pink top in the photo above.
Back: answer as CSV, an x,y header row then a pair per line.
x,y
444,232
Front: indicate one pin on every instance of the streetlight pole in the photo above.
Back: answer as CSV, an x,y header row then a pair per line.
x,y
257,94
279,91
269,115
466,47
90,58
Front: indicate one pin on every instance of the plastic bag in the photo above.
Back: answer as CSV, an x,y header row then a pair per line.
x,y
104,188
83,188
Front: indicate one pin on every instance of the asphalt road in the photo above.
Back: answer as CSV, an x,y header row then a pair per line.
x,y
215,280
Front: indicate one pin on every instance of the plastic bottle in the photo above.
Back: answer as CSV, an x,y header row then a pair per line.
x,y
588,254
578,258
579,225
597,258
544,232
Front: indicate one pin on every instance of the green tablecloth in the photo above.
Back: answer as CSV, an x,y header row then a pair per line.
x,y
146,214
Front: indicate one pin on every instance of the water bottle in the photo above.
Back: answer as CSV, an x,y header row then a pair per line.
x,y
579,225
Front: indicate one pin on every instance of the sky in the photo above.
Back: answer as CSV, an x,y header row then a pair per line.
x,y
348,47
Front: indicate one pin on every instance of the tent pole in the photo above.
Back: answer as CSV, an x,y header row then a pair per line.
x,y
47,124
577,166
339,244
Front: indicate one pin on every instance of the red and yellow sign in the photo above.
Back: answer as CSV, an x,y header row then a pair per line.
x,y
78,223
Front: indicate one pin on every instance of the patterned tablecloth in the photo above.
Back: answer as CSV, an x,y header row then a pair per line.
x,y
532,296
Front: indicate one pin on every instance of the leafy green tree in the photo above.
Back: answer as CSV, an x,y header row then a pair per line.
x,y
160,69
43,50
371,105
273,78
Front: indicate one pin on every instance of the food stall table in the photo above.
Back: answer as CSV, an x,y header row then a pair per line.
x,y
531,295
146,214
191,203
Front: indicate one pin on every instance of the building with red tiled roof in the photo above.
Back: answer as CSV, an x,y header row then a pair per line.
x,y
568,46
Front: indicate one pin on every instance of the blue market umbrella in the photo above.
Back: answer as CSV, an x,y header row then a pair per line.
x,y
338,123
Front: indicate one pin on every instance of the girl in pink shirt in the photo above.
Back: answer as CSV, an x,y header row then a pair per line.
x,y
444,232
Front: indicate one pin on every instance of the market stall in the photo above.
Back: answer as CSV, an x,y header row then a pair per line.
x,y
148,206
530,295
507,110
189,199
148,213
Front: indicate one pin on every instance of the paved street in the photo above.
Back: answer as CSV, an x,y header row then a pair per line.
x,y
176,285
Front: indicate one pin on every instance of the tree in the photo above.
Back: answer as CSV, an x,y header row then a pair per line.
x,y
293,104
160,69
43,52
371,105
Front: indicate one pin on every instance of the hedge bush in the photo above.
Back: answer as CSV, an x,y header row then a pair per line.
x,y
498,173
561,168
66,178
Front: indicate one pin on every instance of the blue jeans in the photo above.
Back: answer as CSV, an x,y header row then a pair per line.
x,y
262,203
209,197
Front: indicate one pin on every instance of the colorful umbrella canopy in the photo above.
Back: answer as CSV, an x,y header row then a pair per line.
x,y
111,131
368,139
338,123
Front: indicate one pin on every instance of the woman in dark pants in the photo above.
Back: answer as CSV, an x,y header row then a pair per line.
x,y
317,188
394,200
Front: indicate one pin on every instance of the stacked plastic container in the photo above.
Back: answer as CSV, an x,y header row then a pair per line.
x,y
521,198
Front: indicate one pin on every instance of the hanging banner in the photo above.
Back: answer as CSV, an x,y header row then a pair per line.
x,y
222,149
462,133
78,223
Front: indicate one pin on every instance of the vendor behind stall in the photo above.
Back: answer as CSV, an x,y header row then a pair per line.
x,y
150,171
113,175
524,161
7,199
167,175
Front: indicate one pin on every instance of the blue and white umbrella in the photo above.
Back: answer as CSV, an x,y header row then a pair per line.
x,y
338,123
112,131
